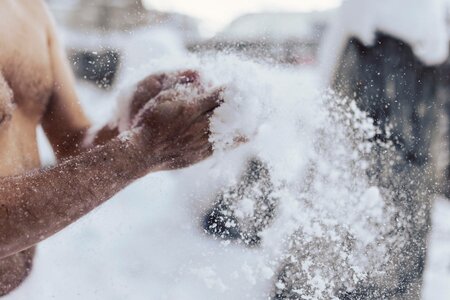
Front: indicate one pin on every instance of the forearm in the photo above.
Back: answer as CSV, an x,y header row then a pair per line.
x,y
39,204
101,137
77,142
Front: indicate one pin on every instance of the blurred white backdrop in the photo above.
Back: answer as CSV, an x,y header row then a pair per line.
x,y
218,13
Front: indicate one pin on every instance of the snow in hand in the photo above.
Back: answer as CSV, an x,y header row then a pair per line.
x,y
149,242
314,148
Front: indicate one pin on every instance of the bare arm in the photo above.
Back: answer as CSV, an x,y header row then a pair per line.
x,y
172,134
65,123
36,205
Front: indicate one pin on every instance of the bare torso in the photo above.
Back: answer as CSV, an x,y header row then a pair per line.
x,y
25,83
25,88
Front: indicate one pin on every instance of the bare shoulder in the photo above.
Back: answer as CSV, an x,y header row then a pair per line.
x,y
37,10
37,6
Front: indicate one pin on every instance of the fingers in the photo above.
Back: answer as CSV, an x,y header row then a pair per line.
x,y
147,89
153,85
192,156
184,142
171,80
209,102
167,96
168,107
188,76
194,109
197,133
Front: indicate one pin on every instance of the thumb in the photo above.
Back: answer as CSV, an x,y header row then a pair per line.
x,y
208,102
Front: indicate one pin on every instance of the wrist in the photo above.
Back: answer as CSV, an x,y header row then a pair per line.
x,y
141,152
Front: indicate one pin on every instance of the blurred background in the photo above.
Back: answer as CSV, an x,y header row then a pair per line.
x,y
285,32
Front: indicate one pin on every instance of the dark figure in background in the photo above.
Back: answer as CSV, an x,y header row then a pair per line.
x,y
400,94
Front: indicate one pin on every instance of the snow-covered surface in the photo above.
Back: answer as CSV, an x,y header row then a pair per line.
x,y
276,26
437,272
147,242
420,23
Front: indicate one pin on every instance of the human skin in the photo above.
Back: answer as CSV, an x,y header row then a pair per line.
x,y
37,88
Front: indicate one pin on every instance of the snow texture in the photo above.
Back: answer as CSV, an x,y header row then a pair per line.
x,y
148,242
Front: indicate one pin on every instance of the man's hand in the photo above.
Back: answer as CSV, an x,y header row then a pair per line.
x,y
173,123
153,85
170,130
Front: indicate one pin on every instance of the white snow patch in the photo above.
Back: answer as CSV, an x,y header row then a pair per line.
x,y
420,23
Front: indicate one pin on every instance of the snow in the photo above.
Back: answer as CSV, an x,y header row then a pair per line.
x,y
147,242
437,272
420,23
278,27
